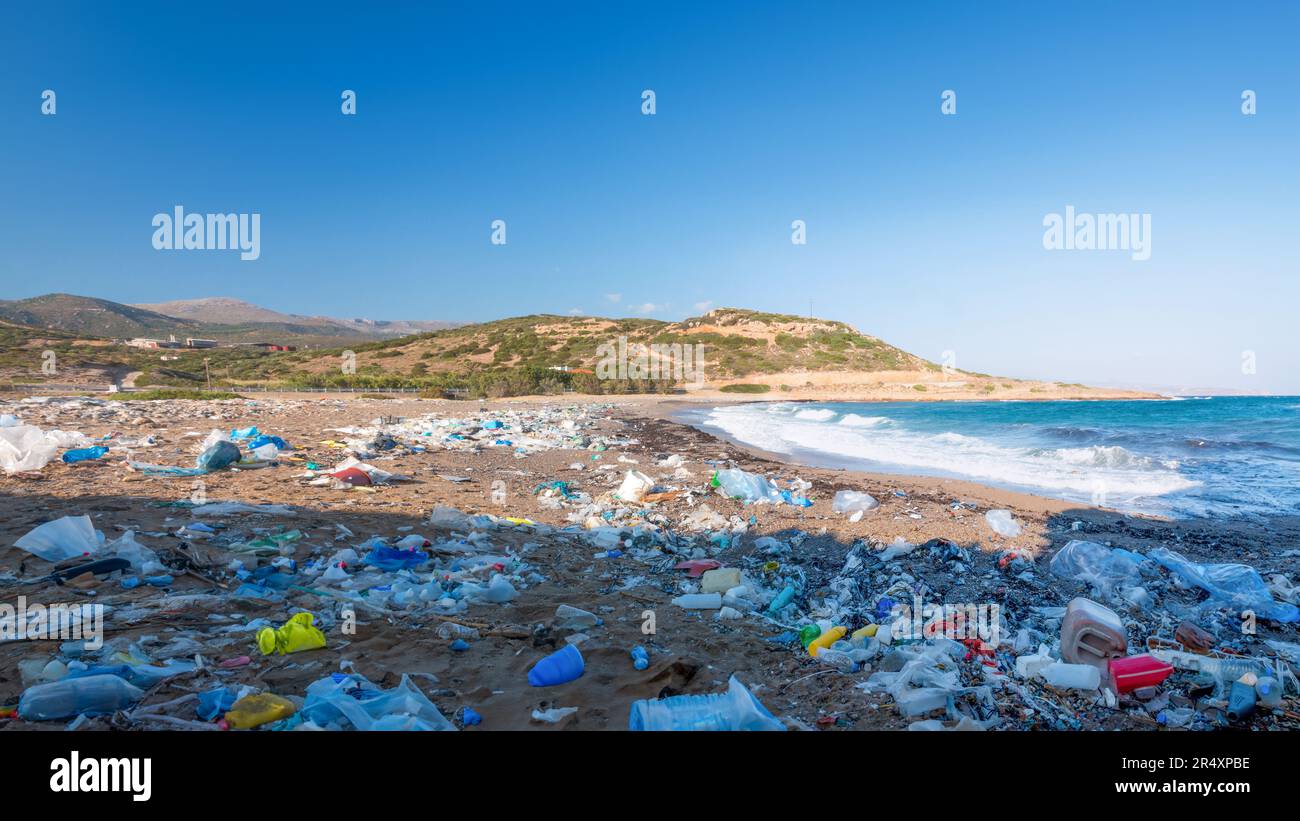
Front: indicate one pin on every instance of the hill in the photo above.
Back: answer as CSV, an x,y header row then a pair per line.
x,y
223,319
228,311
743,352
92,317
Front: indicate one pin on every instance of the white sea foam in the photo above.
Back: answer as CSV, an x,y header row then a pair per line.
x,y
816,415
1072,473
855,421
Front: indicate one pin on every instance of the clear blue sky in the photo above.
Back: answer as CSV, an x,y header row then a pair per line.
x,y
923,229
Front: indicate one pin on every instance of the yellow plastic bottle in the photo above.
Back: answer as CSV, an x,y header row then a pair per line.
x,y
865,632
826,640
256,710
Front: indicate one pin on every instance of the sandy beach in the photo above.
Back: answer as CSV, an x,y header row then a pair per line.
x,y
690,651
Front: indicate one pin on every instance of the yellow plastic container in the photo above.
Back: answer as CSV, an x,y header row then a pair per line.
x,y
865,632
297,634
826,640
254,711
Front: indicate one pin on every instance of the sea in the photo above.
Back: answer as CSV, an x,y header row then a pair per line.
x,y
1181,457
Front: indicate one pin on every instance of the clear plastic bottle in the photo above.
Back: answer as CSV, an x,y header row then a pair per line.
x,y
839,660
573,618
736,709
88,695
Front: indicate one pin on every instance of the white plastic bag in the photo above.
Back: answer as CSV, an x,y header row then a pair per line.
x,y
62,539
25,447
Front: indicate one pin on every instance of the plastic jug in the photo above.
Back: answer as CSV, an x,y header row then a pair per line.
x,y
1092,634
1132,672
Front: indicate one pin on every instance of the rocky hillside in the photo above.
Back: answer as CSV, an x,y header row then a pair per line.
x,y
737,343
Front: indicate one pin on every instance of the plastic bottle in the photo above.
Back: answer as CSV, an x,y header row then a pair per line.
x,y
573,618
640,658
452,630
1241,700
839,660
699,601
1269,691
1072,676
736,709
88,695
782,599
863,633
559,667
807,633
84,454
825,640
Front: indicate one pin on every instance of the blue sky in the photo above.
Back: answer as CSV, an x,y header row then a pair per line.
x,y
923,229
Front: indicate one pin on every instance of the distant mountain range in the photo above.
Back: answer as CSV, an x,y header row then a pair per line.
x,y
220,318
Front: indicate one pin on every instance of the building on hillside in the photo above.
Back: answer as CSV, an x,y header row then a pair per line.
x,y
191,342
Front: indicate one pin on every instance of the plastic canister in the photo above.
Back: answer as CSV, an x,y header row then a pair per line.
x,y
1092,633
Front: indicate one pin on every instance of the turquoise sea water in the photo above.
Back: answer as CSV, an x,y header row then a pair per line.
x,y
1219,456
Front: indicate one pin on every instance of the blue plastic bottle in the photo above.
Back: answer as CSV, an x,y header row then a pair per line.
x,y
783,598
84,454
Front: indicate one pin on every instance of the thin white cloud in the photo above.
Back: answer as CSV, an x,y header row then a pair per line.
x,y
648,308
614,297
703,307
576,312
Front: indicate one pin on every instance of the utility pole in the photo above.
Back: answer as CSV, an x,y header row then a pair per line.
x,y
207,372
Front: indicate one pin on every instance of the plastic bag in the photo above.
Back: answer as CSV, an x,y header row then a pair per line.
x,y
344,700
747,487
25,447
1002,523
852,501
1236,585
635,486
295,635
1106,570
68,538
